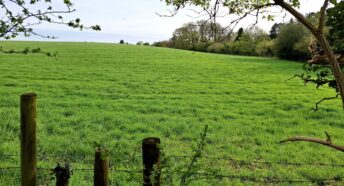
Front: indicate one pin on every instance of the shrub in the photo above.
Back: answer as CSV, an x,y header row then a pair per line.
x,y
289,35
301,48
166,43
241,48
265,48
36,50
201,46
216,48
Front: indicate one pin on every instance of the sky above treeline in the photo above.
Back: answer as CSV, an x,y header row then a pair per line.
x,y
137,20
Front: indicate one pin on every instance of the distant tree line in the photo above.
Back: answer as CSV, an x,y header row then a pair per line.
x,y
122,42
284,40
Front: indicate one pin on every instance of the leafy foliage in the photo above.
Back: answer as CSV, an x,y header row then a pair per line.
x,y
216,48
199,37
237,7
201,46
274,30
28,50
290,34
320,76
189,35
192,166
242,47
21,16
336,23
185,172
166,43
265,48
186,36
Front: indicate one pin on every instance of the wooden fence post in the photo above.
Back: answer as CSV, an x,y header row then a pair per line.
x,y
151,157
62,175
101,168
28,151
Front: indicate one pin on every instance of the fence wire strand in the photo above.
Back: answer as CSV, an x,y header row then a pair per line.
x,y
208,175
201,175
241,162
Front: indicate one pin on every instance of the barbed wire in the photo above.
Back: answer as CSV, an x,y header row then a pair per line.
x,y
264,179
247,162
9,168
209,175
240,162
75,169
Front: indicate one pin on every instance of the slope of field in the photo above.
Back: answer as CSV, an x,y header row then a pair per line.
x,y
115,95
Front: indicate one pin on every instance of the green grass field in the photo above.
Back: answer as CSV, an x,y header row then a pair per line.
x,y
116,95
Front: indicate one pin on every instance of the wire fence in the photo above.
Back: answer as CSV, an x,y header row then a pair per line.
x,y
84,158
200,174
205,175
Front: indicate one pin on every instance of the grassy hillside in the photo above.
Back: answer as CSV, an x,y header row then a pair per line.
x,y
116,95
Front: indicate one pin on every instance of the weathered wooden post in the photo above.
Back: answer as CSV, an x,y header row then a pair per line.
x,y
62,175
151,161
101,168
28,151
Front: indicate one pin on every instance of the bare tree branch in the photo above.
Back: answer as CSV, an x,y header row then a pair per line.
x,y
324,99
297,15
327,142
322,16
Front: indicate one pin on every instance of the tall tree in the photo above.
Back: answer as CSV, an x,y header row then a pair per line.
x,y
186,36
239,34
208,31
243,8
274,30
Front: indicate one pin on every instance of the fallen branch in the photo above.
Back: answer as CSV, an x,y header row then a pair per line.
x,y
327,142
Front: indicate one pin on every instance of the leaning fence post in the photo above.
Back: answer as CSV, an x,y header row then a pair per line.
x,y
101,168
28,152
151,161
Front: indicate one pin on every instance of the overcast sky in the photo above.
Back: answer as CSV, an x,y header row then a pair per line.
x,y
135,20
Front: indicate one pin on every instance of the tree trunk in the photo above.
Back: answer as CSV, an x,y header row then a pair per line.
x,y
337,71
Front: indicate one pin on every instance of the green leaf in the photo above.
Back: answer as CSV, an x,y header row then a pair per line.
x,y
334,2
